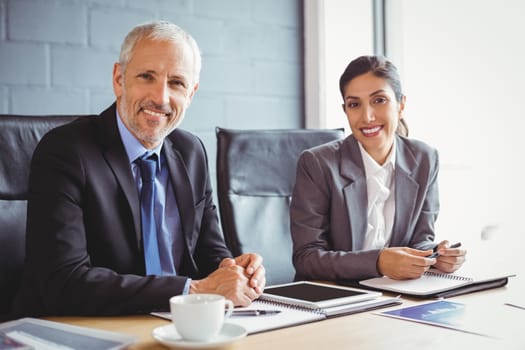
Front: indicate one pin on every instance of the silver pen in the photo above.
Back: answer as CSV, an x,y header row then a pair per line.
x,y
436,254
255,312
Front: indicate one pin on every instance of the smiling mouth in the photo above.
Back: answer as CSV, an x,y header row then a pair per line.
x,y
156,114
371,131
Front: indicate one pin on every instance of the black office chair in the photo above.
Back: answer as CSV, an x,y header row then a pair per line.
x,y
255,178
19,136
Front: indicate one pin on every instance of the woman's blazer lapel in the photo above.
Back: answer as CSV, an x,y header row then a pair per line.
x,y
406,194
355,193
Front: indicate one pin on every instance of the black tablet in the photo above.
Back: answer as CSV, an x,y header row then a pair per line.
x,y
316,295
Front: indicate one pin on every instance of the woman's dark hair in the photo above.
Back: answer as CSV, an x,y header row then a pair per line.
x,y
382,68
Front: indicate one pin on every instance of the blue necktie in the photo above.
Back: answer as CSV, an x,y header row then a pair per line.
x,y
148,167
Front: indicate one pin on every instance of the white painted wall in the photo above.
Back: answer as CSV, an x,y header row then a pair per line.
x,y
348,34
336,32
461,63
462,67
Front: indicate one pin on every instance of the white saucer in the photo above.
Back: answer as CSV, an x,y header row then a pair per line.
x,y
169,336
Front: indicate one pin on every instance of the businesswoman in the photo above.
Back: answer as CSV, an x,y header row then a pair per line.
x,y
365,206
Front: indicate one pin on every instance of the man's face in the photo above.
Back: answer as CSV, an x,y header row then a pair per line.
x,y
154,89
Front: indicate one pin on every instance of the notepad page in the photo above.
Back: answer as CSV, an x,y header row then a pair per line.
x,y
426,284
361,306
289,316
435,281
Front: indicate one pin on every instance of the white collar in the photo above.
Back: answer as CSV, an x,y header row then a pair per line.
x,y
372,167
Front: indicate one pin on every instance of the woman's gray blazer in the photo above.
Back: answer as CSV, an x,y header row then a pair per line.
x,y
329,208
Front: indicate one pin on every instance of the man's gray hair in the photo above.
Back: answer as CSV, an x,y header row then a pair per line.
x,y
161,31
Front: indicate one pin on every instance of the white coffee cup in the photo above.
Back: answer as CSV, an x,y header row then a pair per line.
x,y
199,317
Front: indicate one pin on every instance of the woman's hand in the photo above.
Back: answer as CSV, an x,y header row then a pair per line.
x,y
404,263
449,259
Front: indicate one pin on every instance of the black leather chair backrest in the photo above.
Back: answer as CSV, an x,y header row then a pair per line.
x,y
19,136
255,178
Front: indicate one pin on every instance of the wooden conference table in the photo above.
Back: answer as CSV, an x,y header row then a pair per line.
x,y
359,331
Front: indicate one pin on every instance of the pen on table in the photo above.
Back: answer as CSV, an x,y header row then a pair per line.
x,y
514,305
436,254
255,312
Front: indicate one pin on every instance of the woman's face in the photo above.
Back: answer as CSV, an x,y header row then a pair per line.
x,y
373,113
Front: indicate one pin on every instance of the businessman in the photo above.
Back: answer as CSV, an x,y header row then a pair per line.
x,y
103,239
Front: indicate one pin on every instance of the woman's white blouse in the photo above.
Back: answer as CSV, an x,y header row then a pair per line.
x,y
380,186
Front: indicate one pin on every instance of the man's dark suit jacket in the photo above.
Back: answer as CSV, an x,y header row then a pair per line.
x,y
84,246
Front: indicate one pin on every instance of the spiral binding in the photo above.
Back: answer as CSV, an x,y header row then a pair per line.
x,y
289,305
448,276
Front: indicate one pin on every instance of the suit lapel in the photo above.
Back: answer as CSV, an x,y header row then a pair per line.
x,y
117,160
406,194
183,190
351,168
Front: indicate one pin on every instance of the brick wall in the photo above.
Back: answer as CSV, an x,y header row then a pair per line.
x,y
56,57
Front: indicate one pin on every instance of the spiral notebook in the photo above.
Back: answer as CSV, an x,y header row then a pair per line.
x,y
304,302
435,283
